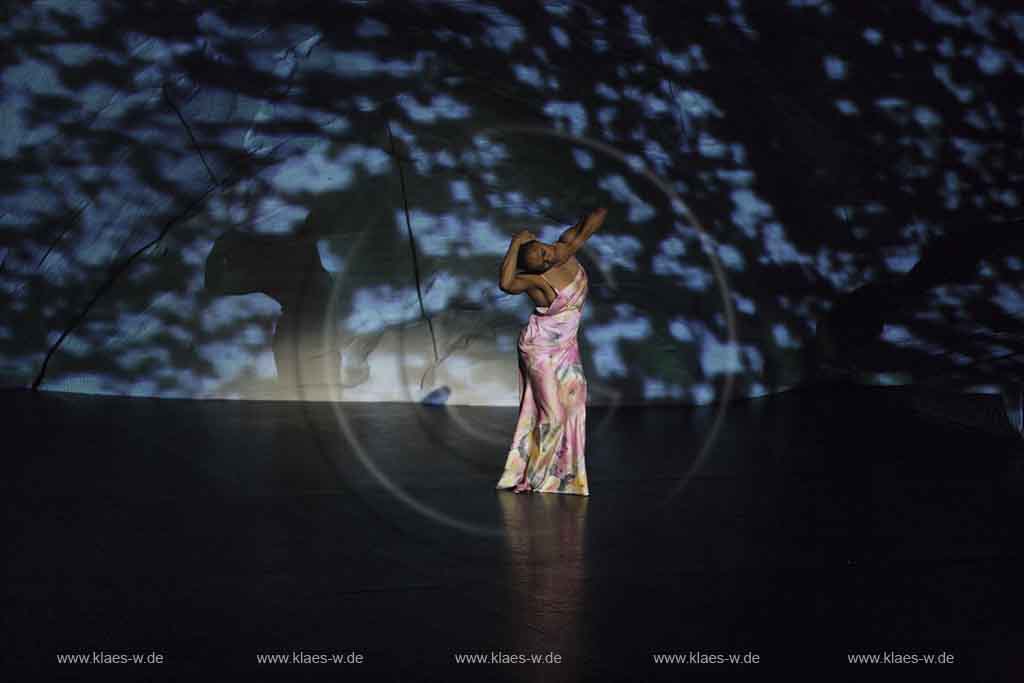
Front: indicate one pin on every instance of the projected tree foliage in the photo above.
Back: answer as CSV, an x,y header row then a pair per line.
x,y
252,199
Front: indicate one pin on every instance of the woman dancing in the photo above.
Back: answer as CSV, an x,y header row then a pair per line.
x,y
547,449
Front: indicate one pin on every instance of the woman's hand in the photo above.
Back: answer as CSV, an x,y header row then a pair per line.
x,y
523,236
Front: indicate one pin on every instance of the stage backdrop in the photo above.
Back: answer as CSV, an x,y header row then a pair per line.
x,y
311,200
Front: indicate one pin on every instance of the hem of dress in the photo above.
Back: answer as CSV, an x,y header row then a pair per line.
x,y
564,493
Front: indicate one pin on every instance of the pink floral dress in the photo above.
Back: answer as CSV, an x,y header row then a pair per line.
x,y
547,449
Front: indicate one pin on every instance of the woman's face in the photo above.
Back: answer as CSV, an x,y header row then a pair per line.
x,y
540,257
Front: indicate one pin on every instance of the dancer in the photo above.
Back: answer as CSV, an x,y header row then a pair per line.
x,y
547,449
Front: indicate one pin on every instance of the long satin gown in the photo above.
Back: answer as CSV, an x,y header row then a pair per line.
x,y
547,448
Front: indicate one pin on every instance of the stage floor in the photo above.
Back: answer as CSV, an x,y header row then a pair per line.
x,y
821,523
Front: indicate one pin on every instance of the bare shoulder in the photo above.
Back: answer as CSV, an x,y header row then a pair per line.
x,y
539,289
538,296
531,280
573,266
523,282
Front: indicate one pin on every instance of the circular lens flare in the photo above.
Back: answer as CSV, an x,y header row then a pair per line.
x,y
680,208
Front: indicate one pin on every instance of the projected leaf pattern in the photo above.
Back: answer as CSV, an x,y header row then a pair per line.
x,y
822,145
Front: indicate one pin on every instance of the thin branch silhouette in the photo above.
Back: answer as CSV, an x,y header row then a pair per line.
x,y
412,243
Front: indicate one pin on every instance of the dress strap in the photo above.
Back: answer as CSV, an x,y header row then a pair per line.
x,y
549,282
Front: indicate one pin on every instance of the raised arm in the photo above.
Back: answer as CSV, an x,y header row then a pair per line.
x,y
510,281
573,238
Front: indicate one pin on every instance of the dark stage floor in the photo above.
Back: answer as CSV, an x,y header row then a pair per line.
x,y
823,522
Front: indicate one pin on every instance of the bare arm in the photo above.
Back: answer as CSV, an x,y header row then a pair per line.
x,y
573,239
509,281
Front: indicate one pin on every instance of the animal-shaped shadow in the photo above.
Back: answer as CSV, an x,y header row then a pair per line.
x,y
288,269
308,345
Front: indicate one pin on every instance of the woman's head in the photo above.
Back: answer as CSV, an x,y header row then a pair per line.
x,y
536,256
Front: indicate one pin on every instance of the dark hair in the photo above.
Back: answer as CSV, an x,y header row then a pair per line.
x,y
524,249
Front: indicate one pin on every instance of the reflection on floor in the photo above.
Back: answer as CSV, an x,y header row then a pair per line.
x,y
822,522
